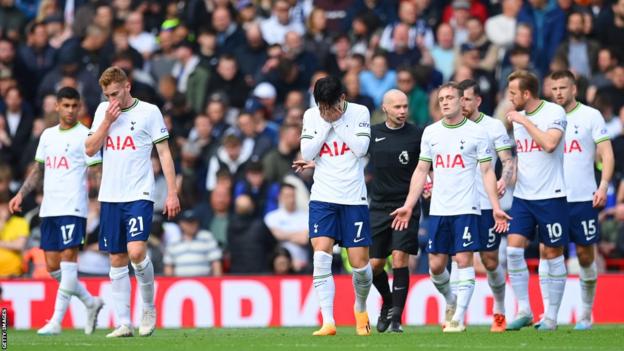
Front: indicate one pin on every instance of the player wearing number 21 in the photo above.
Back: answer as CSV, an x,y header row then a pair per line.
x,y
63,165
126,130
453,147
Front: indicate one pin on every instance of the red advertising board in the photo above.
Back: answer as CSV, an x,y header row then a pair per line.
x,y
259,301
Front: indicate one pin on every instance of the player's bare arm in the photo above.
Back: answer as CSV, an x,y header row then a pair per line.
x,y
489,184
172,204
508,171
547,140
32,182
403,214
604,151
95,141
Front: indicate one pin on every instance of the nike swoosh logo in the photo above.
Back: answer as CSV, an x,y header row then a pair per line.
x,y
590,237
358,240
489,245
555,240
379,139
434,144
65,242
468,244
399,288
133,235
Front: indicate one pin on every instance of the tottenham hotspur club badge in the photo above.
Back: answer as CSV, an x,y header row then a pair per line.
x,y
404,157
133,123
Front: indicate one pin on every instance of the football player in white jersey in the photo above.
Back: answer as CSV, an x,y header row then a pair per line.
x,y
63,165
336,135
454,147
586,137
126,129
499,141
539,196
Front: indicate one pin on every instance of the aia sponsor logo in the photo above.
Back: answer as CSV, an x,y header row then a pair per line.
x,y
55,162
573,146
527,145
334,149
449,161
120,143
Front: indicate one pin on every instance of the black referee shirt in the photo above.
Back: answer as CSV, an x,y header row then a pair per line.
x,y
393,158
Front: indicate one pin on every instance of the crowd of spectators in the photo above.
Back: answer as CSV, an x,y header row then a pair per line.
x,y
233,79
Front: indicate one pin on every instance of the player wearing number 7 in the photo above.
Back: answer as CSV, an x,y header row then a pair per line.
x,y
585,138
63,165
453,147
126,130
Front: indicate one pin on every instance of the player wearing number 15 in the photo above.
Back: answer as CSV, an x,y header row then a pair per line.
x,y
126,130
63,164
454,147
585,139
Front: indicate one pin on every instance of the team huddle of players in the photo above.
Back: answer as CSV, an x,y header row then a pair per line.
x,y
554,196
552,176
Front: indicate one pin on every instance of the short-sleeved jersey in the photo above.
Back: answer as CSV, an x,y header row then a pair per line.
x,y
499,140
339,172
540,174
127,173
62,153
586,128
454,152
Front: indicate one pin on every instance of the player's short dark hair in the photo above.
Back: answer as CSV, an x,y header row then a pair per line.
x,y
526,81
67,93
328,90
467,84
563,74
452,85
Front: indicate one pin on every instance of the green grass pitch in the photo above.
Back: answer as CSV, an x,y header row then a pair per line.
x,y
603,337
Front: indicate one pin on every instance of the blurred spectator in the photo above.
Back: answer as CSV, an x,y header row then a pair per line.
x,y
277,163
228,80
615,90
316,39
220,202
274,28
470,57
229,35
377,79
417,29
351,82
443,52
416,97
207,50
216,110
14,233
141,40
501,29
196,254
458,19
228,157
294,50
263,193
610,30
12,20
164,58
281,262
488,52
402,54
581,52
252,54
121,41
473,8
36,56
192,78
16,119
606,61
255,142
289,226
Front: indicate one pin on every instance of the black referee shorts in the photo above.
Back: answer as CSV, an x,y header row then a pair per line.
x,y
386,239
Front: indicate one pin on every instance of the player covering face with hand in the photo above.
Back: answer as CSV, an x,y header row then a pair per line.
x,y
453,147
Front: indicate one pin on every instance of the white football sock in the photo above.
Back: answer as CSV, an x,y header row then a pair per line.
x,y
144,274
67,288
556,285
519,277
121,294
324,285
442,283
454,277
362,281
496,280
81,292
588,277
544,271
465,288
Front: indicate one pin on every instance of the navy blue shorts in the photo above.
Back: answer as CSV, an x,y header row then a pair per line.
x,y
122,222
549,215
452,234
584,227
348,225
62,232
490,240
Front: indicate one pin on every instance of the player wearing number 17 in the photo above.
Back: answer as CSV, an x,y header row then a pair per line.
x,y
126,130
453,146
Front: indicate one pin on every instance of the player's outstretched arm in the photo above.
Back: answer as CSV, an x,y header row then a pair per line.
x,y
403,214
604,150
547,140
489,183
172,204
32,182
508,171
95,141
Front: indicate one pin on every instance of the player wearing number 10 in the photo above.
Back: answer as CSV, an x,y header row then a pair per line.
x,y
63,164
126,130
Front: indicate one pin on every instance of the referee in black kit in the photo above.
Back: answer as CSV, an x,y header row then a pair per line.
x,y
393,151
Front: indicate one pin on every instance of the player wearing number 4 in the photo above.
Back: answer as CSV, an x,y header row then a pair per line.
x,y
336,135
453,147
126,129
586,136
63,165
539,196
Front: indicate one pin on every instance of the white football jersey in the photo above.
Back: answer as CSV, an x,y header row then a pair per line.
x,y
339,151
586,128
540,174
454,152
65,189
499,140
127,173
